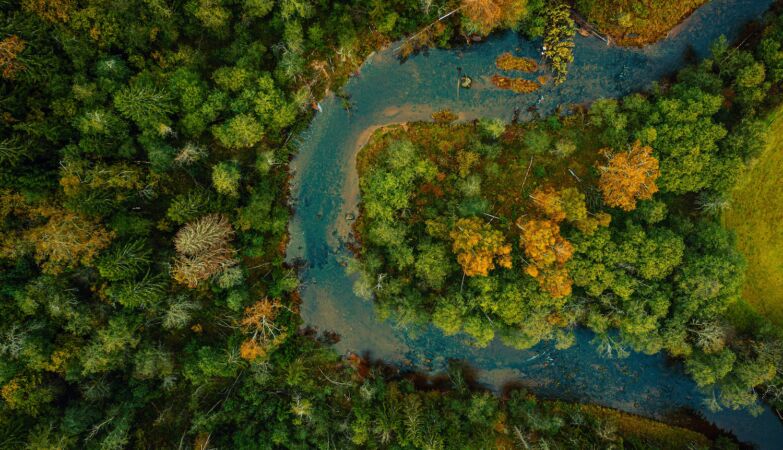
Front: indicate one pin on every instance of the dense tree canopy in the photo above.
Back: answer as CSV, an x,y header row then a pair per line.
x,y
143,215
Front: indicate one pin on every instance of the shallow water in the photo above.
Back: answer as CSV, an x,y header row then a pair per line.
x,y
325,192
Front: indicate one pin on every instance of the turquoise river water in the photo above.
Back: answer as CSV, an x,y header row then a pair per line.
x,y
325,196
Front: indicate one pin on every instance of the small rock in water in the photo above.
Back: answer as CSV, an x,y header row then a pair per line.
x,y
465,82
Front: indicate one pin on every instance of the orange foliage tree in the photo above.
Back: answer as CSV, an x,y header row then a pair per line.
x,y
549,252
541,239
544,244
10,48
630,176
478,246
483,16
259,323
548,201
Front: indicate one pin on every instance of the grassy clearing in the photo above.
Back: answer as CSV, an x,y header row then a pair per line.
x,y
636,22
648,433
756,215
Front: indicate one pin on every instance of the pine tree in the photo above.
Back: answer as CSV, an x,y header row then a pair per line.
x,y
124,261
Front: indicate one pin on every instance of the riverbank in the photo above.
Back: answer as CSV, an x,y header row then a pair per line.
x,y
634,23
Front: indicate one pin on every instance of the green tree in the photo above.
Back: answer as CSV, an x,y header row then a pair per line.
x,y
146,106
226,178
241,131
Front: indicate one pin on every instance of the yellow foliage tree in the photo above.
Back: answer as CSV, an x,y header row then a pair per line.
x,y
548,201
588,225
630,176
65,240
478,247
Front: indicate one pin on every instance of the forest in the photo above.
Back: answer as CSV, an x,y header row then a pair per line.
x,y
144,152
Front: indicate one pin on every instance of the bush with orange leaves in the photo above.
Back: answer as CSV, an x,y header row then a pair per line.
x,y
259,322
630,176
478,247
549,252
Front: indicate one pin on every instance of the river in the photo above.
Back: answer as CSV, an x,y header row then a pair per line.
x,y
325,196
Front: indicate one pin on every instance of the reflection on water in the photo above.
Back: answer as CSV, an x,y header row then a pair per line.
x,y
325,192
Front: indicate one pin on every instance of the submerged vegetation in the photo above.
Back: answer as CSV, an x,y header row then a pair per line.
x,y
518,85
507,61
595,218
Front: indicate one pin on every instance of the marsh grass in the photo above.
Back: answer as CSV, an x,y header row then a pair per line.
x,y
756,215
648,433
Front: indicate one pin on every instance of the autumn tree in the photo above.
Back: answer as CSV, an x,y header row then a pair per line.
x,y
203,249
483,16
10,48
548,252
549,202
478,247
66,240
630,176
50,10
259,324
573,203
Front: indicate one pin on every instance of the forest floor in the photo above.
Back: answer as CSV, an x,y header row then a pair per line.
x,y
634,22
755,214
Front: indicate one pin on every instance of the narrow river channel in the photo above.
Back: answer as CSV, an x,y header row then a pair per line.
x,y
325,195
